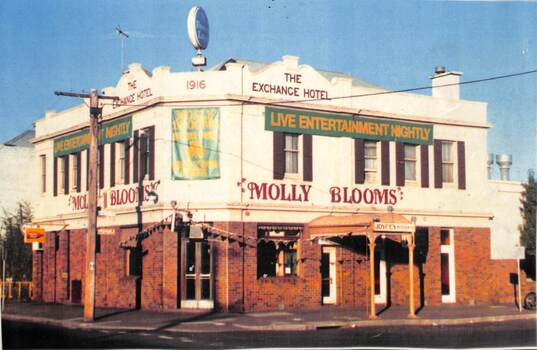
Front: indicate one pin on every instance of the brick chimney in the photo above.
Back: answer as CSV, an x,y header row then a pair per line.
x,y
441,77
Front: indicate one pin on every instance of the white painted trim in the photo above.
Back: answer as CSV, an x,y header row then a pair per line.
x,y
382,297
450,250
332,299
194,304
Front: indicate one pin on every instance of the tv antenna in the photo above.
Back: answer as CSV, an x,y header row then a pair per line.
x,y
123,35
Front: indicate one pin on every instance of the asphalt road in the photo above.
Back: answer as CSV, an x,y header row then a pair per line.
x,y
514,333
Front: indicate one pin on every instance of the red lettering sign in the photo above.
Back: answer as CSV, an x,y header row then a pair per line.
x,y
116,197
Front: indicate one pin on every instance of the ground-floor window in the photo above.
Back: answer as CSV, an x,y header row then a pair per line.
x,y
277,250
133,262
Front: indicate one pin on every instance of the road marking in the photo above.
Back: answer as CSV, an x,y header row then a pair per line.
x,y
144,334
103,331
376,335
185,340
165,337
269,314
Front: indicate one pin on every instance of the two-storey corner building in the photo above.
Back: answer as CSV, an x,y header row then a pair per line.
x,y
304,187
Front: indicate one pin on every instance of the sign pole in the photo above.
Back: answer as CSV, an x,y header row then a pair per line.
x,y
89,285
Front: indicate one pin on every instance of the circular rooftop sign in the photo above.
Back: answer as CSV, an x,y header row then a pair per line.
x,y
198,28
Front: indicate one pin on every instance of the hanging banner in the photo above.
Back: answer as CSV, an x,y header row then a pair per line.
x,y
195,143
112,131
308,122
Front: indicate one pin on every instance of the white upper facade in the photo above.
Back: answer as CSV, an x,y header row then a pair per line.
x,y
245,187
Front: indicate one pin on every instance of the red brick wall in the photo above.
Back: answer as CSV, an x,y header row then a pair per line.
x,y
479,279
152,268
49,268
37,275
170,272
62,267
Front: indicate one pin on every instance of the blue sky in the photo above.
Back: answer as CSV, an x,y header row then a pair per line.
x,y
71,45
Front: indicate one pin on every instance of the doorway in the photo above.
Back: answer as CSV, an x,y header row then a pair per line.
x,y
328,275
197,284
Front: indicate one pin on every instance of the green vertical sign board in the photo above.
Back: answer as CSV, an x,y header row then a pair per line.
x,y
195,143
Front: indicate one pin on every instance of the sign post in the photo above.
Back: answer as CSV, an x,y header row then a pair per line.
x,y
521,253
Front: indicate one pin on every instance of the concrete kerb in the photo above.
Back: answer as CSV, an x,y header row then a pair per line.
x,y
72,324
383,323
278,326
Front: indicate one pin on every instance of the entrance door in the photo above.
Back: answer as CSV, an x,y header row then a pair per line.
x,y
328,274
197,275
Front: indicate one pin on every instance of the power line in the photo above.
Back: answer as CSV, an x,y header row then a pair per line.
x,y
387,92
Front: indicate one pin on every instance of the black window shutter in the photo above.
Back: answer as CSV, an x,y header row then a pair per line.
x,y
151,140
55,177
113,164
424,158
385,162
127,147
359,161
66,174
461,165
135,158
79,171
438,164
399,164
101,166
279,156
308,161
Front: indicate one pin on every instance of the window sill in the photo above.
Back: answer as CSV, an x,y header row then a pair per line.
x,y
449,185
269,279
292,176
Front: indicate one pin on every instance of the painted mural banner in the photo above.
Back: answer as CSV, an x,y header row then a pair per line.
x,y
195,143
111,131
314,123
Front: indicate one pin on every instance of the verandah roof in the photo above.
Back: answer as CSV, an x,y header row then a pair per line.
x,y
353,225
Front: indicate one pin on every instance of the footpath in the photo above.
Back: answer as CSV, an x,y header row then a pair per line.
x,y
70,316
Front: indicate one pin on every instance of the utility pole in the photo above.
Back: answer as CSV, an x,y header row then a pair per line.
x,y
91,237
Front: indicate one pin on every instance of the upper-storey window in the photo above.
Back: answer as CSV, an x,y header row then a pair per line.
x,y
75,171
449,164
63,174
371,164
292,156
291,153
144,157
121,161
43,160
410,162
448,161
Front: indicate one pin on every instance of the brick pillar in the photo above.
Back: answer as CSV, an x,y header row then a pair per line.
x,y
170,269
37,275
62,267
249,278
235,268
49,268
